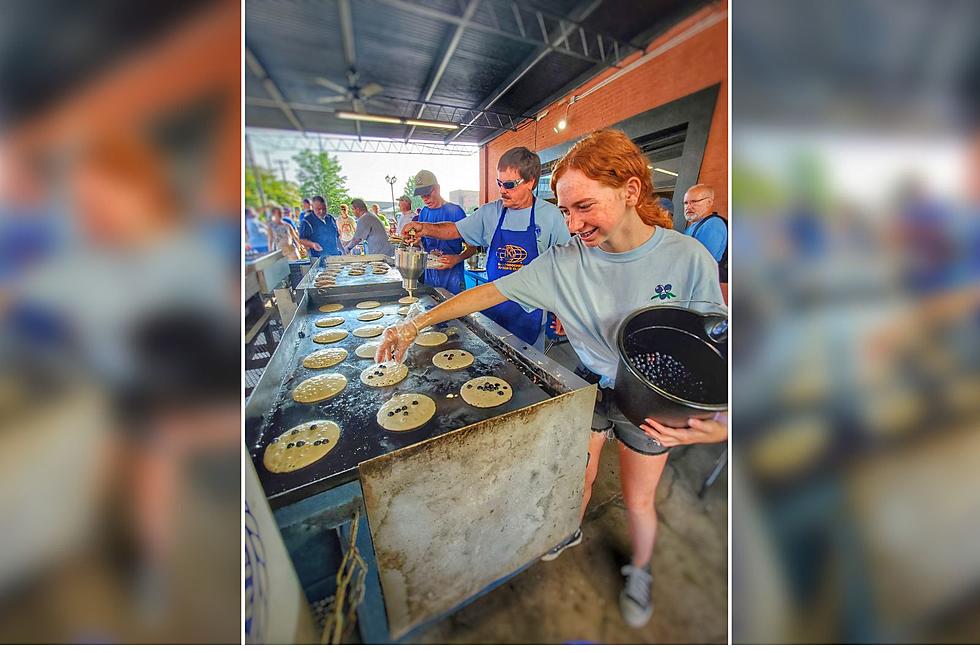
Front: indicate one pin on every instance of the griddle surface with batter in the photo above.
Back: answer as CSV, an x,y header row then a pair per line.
x,y
355,408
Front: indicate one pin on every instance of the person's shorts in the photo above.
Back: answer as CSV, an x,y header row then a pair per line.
x,y
607,419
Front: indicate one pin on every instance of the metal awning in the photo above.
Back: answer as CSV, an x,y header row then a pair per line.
x,y
485,65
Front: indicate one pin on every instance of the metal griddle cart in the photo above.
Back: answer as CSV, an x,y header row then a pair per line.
x,y
444,512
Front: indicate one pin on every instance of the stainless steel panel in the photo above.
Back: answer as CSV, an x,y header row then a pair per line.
x,y
451,515
252,287
270,276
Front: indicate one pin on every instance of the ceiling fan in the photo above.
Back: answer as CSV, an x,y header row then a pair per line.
x,y
353,92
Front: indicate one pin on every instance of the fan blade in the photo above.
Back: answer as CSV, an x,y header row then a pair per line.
x,y
333,86
371,89
330,99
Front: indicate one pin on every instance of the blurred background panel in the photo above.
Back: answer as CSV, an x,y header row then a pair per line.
x,y
856,380
120,182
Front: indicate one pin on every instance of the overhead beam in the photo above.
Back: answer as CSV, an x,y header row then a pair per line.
x,y
462,112
270,87
523,34
447,55
374,146
580,13
591,73
350,54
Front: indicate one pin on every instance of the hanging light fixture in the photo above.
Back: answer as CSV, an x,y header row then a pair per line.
x,y
396,120
563,122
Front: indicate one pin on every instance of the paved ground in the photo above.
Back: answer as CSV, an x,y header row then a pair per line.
x,y
575,597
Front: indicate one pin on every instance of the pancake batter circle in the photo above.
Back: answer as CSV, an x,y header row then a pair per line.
x,y
369,331
371,316
301,446
368,304
432,339
327,337
325,358
331,308
453,359
406,412
486,392
408,300
325,322
384,374
367,350
319,388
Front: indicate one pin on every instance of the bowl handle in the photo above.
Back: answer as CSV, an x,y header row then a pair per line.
x,y
715,325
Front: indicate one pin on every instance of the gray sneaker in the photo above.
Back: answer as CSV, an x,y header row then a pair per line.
x,y
573,540
635,601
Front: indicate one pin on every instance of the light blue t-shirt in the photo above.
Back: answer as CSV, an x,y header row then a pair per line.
x,y
478,227
713,234
591,290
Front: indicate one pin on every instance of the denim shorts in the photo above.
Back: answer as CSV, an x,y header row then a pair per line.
x,y
607,419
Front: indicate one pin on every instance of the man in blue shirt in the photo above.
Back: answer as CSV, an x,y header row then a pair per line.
x,y
706,226
318,231
448,272
515,229
287,217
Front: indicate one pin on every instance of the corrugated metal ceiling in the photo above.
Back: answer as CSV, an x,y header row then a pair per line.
x,y
400,45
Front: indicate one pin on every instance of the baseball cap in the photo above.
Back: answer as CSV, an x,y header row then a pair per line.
x,y
424,181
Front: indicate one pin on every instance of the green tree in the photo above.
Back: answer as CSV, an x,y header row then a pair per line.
x,y
277,192
410,191
321,174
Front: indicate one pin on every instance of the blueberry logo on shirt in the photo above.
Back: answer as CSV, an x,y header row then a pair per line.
x,y
663,292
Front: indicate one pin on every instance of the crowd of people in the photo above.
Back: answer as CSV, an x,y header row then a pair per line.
x,y
311,230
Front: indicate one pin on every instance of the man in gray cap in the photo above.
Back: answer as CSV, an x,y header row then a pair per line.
x,y
449,271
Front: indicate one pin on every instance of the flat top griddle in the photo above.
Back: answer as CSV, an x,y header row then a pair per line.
x,y
345,279
356,407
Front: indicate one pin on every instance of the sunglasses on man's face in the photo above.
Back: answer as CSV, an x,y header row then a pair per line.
x,y
510,185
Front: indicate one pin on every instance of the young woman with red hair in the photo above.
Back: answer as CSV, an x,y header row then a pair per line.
x,y
623,256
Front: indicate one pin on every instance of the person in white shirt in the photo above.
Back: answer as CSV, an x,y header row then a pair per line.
x,y
405,213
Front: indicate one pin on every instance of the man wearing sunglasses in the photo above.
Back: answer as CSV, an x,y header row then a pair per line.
x,y
515,229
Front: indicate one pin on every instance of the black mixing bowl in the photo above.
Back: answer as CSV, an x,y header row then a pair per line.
x,y
669,369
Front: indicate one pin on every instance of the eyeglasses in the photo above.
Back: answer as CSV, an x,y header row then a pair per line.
x,y
510,185
686,202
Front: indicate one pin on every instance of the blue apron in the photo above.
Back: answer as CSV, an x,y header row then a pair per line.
x,y
510,251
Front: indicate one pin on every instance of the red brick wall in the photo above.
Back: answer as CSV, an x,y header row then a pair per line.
x,y
699,62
